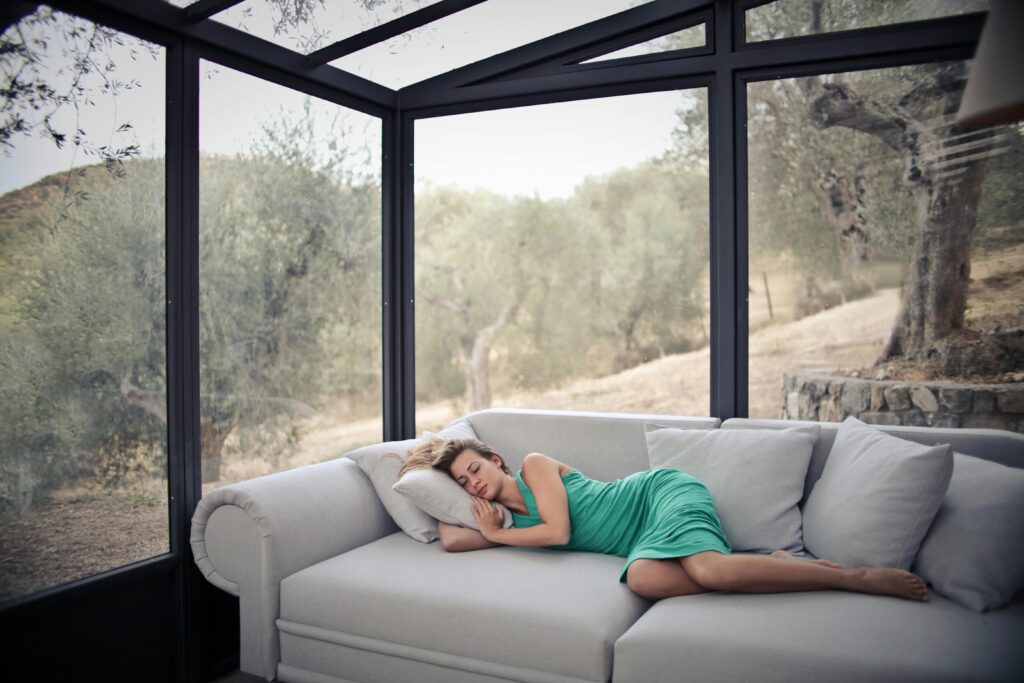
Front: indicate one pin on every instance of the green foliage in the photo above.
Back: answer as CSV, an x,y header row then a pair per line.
x,y
610,277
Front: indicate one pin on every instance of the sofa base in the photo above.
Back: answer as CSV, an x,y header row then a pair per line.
x,y
315,655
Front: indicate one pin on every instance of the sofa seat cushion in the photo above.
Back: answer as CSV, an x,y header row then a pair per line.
x,y
828,635
531,608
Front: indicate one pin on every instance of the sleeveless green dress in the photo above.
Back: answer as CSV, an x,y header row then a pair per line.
x,y
655,514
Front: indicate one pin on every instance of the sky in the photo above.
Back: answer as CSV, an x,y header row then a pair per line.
x,y
542,150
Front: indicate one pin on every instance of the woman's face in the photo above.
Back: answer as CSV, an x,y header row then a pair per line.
x,y
480,476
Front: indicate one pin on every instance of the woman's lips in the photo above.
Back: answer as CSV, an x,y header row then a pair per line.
x,y
481,490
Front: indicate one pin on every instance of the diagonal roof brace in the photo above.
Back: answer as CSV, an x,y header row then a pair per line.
x,y
204,9
393,28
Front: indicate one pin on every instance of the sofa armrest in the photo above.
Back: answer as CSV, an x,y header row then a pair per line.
x,y
247,537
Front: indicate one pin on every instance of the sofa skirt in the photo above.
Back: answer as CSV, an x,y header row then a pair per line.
x,y
315,655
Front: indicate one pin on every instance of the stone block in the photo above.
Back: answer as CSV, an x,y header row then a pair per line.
x,y
835,389
914,418
793,405
876,418
877,398
923,398
897,397
787,383
829,411
1010,400
856,397
985,422
956,399
807,405
942,420
984,401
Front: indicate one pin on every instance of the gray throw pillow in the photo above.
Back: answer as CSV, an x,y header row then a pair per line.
x,y
876,498
437,494
974,552
756,477
381,463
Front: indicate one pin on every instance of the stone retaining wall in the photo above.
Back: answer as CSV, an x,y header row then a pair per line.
x,y
924,404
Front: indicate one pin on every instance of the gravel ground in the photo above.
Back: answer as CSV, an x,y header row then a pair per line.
x,y
75,537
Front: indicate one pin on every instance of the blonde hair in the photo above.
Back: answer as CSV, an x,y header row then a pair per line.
x,y
439,453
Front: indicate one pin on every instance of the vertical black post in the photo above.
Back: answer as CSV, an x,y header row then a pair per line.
x,y
726,319
185,472
397,202
408,308
390,266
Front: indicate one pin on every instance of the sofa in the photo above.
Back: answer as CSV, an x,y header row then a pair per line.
x,y
331,590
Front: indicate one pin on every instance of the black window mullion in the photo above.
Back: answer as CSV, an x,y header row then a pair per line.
x,y
407,396
723,139
185,473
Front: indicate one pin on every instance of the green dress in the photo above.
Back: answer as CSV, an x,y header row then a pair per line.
x,y
655,514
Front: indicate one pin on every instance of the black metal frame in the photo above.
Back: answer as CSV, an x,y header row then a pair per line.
x,y
546,71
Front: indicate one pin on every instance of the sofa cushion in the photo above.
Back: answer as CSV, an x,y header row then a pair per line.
x,y
546,610
755,476
437,494
382,462
974,552
993,445
825,636
876,498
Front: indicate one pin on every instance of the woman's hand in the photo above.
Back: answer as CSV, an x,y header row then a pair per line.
x,y
488,517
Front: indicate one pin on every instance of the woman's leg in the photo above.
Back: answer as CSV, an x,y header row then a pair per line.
x,y
762,574
657,579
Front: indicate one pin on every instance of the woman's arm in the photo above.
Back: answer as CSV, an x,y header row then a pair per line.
x,y
456,539
542,475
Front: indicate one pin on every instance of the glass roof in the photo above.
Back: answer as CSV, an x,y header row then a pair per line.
x,y
308,25
473,34
693,36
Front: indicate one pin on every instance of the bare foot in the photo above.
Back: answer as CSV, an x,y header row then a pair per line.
x,y
784,555
886,581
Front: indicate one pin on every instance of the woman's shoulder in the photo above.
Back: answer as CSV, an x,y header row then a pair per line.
x,y
540,463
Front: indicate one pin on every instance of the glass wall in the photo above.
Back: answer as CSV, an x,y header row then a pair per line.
x,y
562,258
886,252
791,18
83,437
290,272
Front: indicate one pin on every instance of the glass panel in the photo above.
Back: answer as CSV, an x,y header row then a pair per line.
x,y
308,25
83,454
290,299
476,33
553,272
694,36
790,18
886,252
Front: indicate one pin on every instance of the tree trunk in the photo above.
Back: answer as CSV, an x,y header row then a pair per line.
x,y
211,449
947,188
840,201
934,296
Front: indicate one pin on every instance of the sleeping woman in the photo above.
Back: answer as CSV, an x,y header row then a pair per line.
x,y
662,521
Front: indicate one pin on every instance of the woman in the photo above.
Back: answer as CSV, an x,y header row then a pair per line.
x,y
662,521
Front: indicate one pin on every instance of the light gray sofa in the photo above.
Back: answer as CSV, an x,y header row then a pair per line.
x,y
330,590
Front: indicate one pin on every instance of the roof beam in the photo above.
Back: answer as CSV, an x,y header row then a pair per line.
x,y
204,9
395,27
552,47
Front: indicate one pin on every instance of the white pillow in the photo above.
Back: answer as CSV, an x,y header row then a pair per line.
x,y
381,463
756,477
876,498
437,494
974,552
